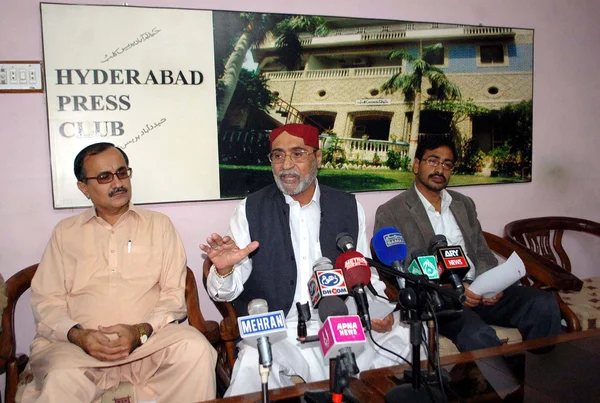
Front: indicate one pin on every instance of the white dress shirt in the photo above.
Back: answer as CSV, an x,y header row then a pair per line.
x,y
445,224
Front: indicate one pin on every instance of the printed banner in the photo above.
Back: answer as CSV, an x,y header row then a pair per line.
x,y
142,79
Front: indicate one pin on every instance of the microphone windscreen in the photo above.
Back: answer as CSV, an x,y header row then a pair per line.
x,y
355,267
344,241
436,242
332,306
417,253
258,306
322,263
389,246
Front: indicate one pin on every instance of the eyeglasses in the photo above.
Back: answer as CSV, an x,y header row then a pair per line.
x,y
297,155
107,177
435,162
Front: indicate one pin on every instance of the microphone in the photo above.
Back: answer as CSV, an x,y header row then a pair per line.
x,y
303,317
325,281
341,334
358,274
390,248
425,265
261,325
345,242
452,262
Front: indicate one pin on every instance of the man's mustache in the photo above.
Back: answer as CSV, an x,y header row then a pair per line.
x,y
289,172
115,190
439,176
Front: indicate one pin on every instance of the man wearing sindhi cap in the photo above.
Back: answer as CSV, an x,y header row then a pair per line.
x,y
275,236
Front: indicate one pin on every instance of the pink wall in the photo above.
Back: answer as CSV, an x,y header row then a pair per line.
x,y
566,121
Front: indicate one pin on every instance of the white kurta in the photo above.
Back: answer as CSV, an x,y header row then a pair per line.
x,y
289,356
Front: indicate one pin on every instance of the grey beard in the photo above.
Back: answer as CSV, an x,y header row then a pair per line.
x,y
304,183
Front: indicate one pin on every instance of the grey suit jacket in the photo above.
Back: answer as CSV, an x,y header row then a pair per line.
x,y
407,213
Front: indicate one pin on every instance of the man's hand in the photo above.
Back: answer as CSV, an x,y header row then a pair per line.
x,y
493,300
224,253
383,325
98,345
472,299
128,336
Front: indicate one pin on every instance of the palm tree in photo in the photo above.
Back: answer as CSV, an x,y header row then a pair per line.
x,y
411,83
284,28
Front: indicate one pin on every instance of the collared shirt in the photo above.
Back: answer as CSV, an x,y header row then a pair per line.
x,y
95,274
445,223
304,224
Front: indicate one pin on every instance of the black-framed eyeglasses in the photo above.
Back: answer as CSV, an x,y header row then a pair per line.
x,y
435,162
296,155
107,177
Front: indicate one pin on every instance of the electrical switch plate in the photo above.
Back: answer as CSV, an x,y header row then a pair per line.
x,y
21,76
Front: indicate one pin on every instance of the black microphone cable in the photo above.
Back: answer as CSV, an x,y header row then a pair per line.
x,y
385,349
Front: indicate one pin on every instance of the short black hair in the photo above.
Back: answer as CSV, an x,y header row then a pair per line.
x,y
92,149
433,141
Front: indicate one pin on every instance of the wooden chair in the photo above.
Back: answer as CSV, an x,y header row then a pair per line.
x,y
542,237
21,281
229,334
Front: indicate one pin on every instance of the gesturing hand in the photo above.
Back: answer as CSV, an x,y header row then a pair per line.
x,y
224,253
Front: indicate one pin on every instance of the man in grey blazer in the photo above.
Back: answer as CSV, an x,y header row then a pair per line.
x,y
427,209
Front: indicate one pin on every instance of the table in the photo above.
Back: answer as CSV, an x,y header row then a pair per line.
x,y
570,372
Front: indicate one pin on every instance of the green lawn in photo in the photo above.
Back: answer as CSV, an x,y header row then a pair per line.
x,y
239,181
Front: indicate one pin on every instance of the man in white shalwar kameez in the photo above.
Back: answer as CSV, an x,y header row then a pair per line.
x,y
281,231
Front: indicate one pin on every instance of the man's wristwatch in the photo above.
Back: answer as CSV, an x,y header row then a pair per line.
x,y
142,332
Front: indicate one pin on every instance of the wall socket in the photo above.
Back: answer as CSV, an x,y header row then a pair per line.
x,y
21,76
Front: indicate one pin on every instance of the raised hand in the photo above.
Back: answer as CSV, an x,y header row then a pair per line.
x,y
224,253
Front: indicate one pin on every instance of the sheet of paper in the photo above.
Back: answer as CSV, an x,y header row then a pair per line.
x,y
495,280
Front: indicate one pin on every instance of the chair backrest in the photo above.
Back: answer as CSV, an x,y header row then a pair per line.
x,y
543,236
228,327
210,329
16,285
538,273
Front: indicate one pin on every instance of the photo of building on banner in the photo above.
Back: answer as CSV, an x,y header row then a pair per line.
x,y
348,77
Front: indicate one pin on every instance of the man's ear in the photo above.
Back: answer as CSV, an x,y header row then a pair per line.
x,y
416,163
319,155
83,188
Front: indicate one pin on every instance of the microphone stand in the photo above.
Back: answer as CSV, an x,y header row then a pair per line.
x,y
342,368
412,299
264,365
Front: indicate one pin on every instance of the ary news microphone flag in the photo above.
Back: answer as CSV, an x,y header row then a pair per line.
x,y
325,282
390,248
340,331
452,262
262,327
